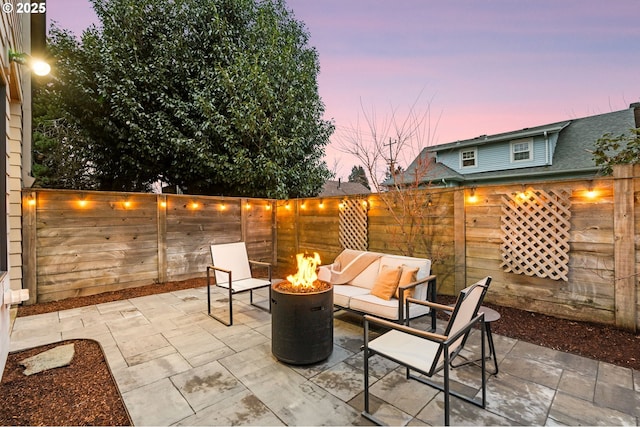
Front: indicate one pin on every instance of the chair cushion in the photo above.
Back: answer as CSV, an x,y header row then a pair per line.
x,y
342,294
245,284
408,349
387,282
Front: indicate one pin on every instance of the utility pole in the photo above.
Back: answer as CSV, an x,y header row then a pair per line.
x,y
392,171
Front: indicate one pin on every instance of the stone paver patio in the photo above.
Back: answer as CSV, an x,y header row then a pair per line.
x,y
175,365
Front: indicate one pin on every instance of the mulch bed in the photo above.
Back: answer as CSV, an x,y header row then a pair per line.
x,y
82,393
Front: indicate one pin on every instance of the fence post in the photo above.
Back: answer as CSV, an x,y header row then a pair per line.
x,y
625,290
459,239
29,274
161,218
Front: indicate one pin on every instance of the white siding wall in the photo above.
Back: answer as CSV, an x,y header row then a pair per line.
x,y
11,27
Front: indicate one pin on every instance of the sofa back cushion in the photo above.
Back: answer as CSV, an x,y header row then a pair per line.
x,y
367,278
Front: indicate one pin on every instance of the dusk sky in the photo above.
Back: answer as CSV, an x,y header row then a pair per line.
x,y
479,66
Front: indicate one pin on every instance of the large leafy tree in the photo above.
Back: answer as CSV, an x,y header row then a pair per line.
x,y
215,96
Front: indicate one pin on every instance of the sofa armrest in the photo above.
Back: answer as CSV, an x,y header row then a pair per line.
x,y
324,272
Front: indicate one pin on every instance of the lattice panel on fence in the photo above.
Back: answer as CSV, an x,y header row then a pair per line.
x,y
353,224
535,239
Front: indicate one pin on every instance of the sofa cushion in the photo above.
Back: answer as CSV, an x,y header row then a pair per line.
x,y
386,309
386,283
367,278
409,275
424,269
343,293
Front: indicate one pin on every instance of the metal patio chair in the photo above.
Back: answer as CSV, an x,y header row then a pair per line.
x,y
232,271
429,353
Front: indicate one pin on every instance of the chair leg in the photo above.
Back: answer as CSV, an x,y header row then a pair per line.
x,y
219,319
365,413
268,308
492,348
446,387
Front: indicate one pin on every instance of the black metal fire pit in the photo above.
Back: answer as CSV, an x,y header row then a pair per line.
x,y
301,325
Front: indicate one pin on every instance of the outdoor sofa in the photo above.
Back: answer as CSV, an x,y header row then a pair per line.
x,y
377,284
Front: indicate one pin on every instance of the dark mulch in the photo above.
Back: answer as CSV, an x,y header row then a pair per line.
x,y
77,395
83,393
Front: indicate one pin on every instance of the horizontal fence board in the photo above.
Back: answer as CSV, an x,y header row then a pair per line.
x,y
88,257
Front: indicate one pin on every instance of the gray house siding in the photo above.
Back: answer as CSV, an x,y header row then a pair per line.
x,y
497,156
561,150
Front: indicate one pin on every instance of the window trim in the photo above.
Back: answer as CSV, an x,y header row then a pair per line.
x,y
473,150
512,152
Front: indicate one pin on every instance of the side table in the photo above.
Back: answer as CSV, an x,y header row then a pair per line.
x,y
490,316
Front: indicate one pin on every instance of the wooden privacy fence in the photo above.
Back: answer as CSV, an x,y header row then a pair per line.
x,y
83,243
570,249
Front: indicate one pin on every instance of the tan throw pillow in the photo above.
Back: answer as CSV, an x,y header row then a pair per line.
x,y
387,282
409,275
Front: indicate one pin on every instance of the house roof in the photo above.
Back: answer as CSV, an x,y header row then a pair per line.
x,y
339,188
572,155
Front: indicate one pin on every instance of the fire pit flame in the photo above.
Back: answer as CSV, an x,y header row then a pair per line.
x,y
306,275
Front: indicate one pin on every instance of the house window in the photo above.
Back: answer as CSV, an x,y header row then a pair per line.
x,y
521,150
468,158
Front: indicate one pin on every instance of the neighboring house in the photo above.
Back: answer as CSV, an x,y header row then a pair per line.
x,y
554,151
339,188
15,145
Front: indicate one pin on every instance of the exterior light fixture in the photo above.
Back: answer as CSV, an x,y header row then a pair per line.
x,y
38,66
472,197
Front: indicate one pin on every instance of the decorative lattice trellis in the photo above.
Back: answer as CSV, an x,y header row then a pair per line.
x,y
535,227
353,224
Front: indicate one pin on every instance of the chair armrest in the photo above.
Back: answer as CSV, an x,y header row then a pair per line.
x,y
430,304
262,264
406,329
402,301
213,267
